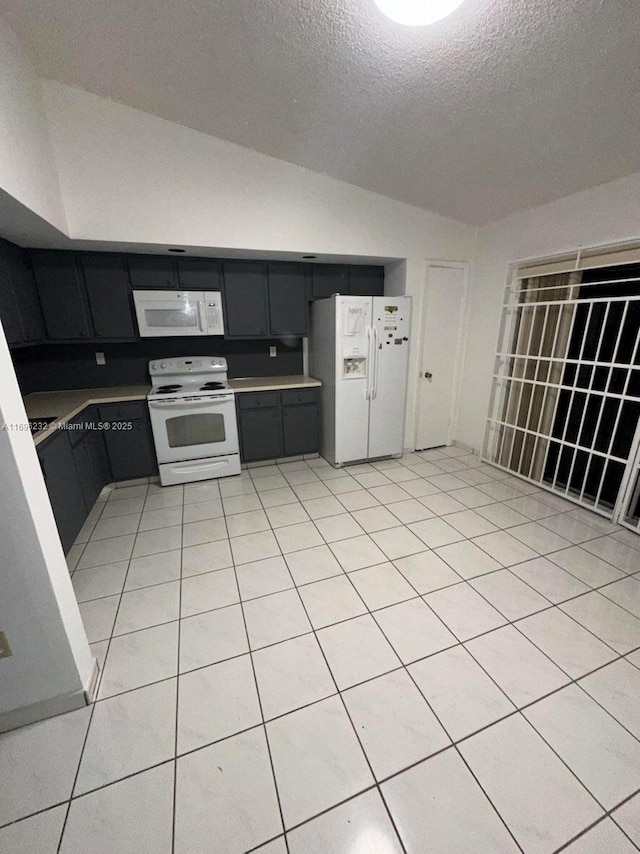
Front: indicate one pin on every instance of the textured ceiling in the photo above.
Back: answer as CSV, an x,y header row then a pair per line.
x,y
505,105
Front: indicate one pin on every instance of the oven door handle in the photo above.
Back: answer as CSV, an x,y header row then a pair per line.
x,y
201,401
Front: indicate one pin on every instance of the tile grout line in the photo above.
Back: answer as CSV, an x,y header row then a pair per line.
x,y
93,704
262,726
177,706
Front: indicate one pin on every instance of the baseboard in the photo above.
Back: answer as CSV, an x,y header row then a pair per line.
x,y
42,710
464,447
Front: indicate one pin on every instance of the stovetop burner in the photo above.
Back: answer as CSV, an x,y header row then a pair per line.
x,y
166,389
211,386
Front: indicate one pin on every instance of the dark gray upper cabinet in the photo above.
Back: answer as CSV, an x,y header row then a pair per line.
x,y
153,271
62,296
329,279
109,295
366,281
9,314
245,299
63,485
199,274
19,305
24,287
288,304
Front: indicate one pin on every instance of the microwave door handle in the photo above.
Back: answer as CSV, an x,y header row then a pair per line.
x,y
201,323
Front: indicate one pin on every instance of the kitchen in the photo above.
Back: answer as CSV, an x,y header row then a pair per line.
x,y
307,635
117,298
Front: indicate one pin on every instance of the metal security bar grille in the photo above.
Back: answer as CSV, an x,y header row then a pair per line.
x,y
630,504
566,386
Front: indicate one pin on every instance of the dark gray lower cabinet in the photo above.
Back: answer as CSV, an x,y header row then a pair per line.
x,y
261,431
90,455
128,439
300,428
277,424
79,461
63,485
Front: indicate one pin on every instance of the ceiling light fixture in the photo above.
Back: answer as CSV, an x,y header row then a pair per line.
x,y
417,13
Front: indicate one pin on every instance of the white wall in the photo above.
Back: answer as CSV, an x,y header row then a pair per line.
x,y
127,176
602,215
51,665
27,169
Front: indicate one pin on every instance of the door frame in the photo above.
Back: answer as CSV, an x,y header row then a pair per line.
x,y
460,344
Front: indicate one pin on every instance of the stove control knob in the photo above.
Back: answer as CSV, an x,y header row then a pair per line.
x,y
153,366
163,365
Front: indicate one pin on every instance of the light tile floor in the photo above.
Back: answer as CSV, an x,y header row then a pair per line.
x,y
415,655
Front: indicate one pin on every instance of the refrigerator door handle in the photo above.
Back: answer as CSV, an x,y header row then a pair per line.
x,y
374,389
367,393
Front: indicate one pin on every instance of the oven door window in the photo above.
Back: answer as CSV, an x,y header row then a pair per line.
x,y
206,428
172,318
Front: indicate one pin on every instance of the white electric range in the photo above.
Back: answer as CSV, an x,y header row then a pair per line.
x,y
193,418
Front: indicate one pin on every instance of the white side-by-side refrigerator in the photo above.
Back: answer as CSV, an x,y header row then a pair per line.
x,y
359,348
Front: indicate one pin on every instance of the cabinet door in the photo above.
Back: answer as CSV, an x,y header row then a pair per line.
x,y
9,314
62,296
99,459
329,279
24,288
153,271
199,274
63,485
109,297
261,434
300,427
97,448
131,451
287,299
366,281
245,300
86,473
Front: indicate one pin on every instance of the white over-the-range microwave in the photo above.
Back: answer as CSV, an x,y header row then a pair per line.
x,y
186,313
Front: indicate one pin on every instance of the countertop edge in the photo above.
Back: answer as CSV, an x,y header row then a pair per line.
x,y
39,437
239,386
253,384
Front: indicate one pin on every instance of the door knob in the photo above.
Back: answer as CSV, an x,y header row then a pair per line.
x,y
428,375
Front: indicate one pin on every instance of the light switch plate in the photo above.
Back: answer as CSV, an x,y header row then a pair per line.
x,y
100,359
5,649
273,352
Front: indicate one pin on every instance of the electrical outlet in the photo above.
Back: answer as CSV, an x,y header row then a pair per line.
x,y
5,649
100,359
273,352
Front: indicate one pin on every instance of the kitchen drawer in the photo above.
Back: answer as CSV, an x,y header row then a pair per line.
x,y
258,400
123,411
299,395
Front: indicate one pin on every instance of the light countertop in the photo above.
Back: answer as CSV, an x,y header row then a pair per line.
x,y
65,405
273,383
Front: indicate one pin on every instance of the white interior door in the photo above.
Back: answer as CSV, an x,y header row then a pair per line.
x,y
442,316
